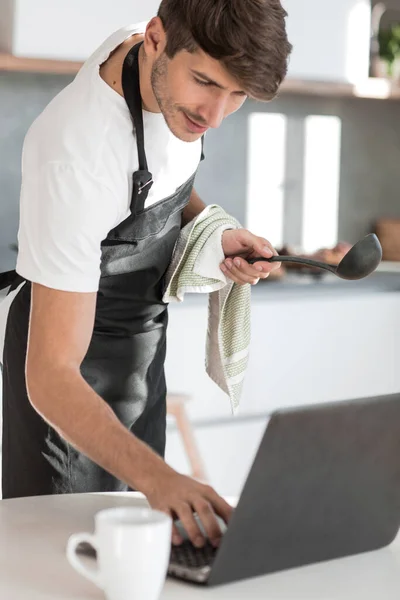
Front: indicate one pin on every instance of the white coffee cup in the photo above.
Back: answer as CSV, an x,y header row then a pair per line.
x,y
133,547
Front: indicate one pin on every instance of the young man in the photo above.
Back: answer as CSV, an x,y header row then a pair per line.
x,y
84,395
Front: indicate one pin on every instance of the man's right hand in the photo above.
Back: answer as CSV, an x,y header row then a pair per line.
x,y
61,327
181,497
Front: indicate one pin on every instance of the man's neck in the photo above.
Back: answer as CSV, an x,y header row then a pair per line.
x,y
111,72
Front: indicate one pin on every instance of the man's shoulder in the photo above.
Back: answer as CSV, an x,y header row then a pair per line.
x,y
79,125
86,111
112,42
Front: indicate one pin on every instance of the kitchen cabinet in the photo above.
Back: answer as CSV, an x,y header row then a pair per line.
x,y
54,29
307,347
331,40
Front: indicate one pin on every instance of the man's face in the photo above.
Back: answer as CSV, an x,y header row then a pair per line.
x,y
194,93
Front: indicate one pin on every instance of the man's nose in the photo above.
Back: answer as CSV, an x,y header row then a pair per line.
x,y
215,113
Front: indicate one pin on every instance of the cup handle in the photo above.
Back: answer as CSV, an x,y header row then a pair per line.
x,y
78,538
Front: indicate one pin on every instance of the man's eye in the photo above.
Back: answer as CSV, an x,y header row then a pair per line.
x,y
200,82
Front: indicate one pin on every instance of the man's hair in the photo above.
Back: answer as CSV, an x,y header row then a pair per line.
x,y
247,36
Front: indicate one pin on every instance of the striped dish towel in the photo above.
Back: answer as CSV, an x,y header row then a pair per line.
x,y
195,267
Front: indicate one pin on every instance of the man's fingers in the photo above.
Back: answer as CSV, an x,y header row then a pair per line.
x,y
265,248
238,274
259,270
176,536
220,506
256,243
231,275
185,514
267,267
247,245
188,497
208,520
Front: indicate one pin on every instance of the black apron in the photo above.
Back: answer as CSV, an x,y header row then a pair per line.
x,y
125,360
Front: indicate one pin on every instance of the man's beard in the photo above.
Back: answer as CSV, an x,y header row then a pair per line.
x,y
169,109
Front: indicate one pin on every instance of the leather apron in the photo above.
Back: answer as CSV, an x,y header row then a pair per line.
x,y
125,360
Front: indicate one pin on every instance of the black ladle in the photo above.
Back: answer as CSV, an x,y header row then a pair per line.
x,y
361,260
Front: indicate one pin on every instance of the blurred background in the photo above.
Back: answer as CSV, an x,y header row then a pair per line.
x,y
313,171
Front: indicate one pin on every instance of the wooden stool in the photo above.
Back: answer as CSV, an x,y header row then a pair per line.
x,y
176,408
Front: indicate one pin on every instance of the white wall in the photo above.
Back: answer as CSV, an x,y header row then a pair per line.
x,y
68,30
330,39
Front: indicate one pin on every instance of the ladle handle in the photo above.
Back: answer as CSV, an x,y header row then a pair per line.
x,y
296,259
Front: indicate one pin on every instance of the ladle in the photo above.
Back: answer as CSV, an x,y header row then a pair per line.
x,y
361,260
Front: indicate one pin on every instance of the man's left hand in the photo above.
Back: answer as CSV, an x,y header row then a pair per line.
x,y
240,244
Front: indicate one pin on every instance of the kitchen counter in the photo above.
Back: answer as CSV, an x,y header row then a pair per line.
x,y
329,283
33,565
304,284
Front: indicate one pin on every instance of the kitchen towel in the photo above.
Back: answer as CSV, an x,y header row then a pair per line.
x,y
195,268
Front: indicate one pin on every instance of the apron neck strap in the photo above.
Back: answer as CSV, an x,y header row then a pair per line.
x,y
142,179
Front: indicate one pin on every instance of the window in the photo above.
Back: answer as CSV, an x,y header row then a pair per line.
x,y
265,175
321,182
317,182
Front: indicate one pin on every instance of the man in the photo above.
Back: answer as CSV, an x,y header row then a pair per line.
x,y
108,171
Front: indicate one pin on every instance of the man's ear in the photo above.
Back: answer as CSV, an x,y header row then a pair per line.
x,y
155,38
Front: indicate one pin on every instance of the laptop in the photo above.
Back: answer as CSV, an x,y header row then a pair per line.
x,y
325,483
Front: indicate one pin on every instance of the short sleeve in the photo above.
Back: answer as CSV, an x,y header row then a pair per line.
x,y
65,213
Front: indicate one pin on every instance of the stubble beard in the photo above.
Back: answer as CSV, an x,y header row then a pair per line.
x,y
169,110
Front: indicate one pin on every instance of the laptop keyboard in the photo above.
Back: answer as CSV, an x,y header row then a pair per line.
x,y
188,555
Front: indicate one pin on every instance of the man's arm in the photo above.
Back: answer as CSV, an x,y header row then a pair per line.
x,y
61,326
193,208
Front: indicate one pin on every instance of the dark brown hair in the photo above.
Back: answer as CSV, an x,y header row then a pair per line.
x,y
247,36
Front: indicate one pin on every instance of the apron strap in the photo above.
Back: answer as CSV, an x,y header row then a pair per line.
x,y
142,179
202,157
7,279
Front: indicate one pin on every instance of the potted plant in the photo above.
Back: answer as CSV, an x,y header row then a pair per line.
x,y
389,50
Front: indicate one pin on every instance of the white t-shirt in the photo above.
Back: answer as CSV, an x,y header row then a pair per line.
x,y
77,165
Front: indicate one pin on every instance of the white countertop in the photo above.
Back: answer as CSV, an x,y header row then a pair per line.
x,y
34,532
